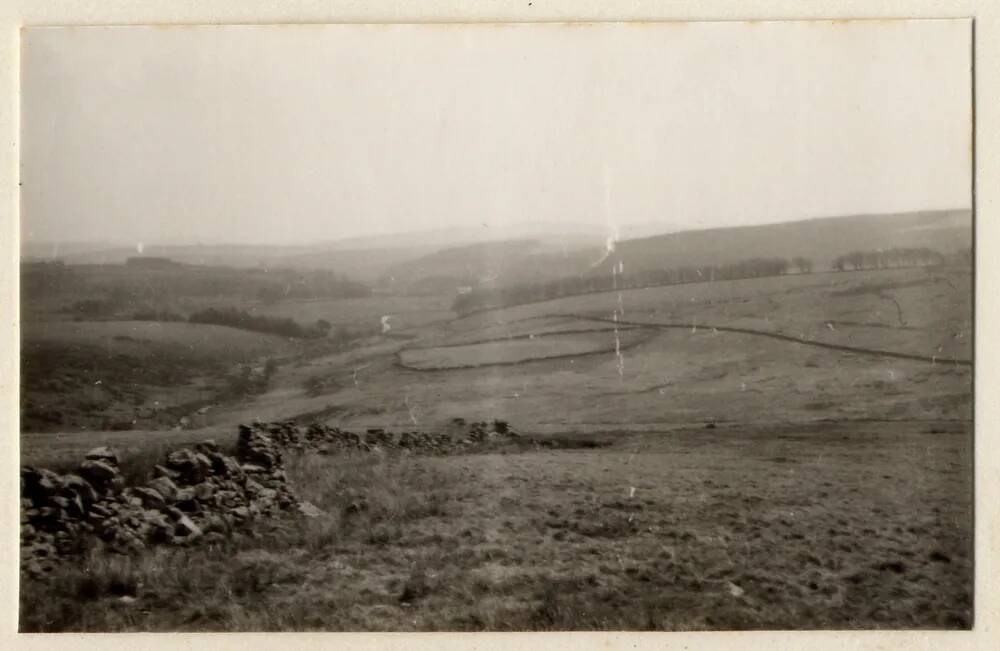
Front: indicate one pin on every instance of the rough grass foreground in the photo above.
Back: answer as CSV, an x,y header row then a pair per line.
x,y
709,532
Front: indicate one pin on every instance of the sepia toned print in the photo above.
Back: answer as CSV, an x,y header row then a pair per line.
x,y
497,327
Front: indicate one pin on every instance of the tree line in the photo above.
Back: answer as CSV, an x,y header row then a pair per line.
x,y
886,258
284,326
484,298
340,334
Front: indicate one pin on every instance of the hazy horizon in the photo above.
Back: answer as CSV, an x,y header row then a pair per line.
x,y
307,245
296,135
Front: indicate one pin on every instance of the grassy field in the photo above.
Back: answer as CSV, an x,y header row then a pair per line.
x,y
741,481
743,527
682,375
123,374
533,326
675,376
147,338
532,347
920,311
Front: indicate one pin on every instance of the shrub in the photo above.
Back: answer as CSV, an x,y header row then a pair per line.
x,y
242,319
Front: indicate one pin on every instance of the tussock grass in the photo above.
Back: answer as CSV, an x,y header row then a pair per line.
x,y
368,499
370,494
738,530
136,461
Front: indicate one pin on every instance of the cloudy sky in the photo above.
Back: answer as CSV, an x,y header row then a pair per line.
x,y
315,133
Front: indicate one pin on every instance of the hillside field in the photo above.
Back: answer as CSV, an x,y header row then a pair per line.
x,y
404,312
99,375
690,373
778,452
661,376
818,240
750,527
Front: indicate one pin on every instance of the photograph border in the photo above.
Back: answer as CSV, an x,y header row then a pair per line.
x,y
985,157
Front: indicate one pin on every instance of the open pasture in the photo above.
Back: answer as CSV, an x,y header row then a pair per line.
x,y
691,373
124,374
513,350
500,328
714,449
516,363
746,527
192,341
672,377
921,311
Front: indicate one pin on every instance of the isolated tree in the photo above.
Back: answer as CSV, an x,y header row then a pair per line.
x,y
804,265
856,260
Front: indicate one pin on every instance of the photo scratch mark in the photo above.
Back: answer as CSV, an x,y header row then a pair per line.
x,y
409,409
359,368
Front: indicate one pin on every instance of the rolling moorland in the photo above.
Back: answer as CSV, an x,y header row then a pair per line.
x,y
779,451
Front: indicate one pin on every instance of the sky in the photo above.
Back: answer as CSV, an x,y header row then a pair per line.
x,y
306,134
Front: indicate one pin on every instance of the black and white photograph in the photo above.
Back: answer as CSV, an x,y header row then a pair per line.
x,y
496,327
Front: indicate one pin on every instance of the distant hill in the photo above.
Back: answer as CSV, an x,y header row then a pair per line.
x,y
365,265
493,264
446,238
431,261
361,258
233,255
820,240
67,251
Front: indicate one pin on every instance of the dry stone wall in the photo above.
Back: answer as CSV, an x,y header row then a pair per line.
x,y
462,438
199,494
196,494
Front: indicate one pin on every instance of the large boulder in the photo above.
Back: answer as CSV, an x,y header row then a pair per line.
x,y
159,528
105,454
186,529
225,466
191,467
163,471
38,484
77,485
100,474
203,492
74,507
165,487
256,447
150,498
207,447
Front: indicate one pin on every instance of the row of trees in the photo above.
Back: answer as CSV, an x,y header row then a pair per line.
x,y
91,309
886,258
483,298
283,326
